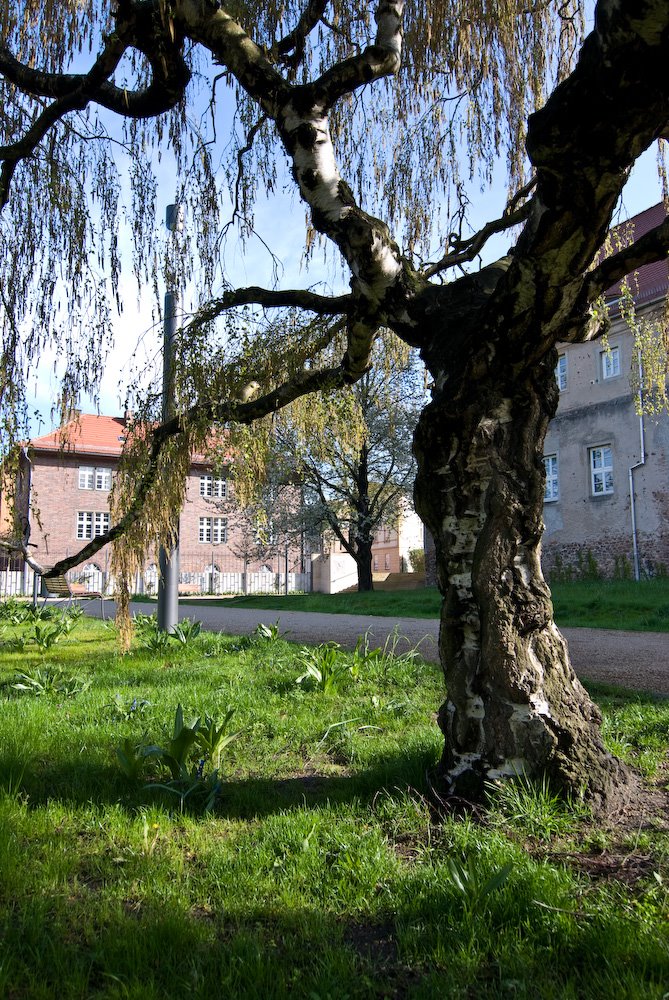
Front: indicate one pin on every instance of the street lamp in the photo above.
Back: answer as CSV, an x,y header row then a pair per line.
x,y
168,558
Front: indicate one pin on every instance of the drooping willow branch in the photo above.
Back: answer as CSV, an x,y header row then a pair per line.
x,y
230,411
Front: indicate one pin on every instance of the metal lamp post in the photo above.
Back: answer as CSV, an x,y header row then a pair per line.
x,y
168,558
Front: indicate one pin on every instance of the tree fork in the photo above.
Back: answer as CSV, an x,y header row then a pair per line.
x,y
514,704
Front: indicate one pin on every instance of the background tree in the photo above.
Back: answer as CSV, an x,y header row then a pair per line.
x,y
264,509
368,104
356,468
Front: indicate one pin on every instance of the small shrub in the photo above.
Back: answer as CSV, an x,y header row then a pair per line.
x,y
325,671
621,568
268,632
149,634
417,560
186,631
120,711
45,635
157,640
50,680
561,572
14,612
188,756
587,566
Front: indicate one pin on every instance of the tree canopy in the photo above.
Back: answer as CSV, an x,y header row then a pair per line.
x,y
379,112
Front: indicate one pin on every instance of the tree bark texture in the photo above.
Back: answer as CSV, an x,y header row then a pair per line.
x,y
514,704
363,560
364,538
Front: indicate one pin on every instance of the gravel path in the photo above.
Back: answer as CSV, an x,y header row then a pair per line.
x,y
637,660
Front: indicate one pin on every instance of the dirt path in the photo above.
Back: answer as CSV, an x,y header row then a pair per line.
x,y
637,660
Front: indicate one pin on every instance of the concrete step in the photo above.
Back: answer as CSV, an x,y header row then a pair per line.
x,y
393,581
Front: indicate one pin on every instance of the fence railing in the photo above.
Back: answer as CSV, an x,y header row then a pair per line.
x,y
198,574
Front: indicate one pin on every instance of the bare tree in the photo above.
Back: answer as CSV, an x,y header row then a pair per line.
x,y
367,114
355,483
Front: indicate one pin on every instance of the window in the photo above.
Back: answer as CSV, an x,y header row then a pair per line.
x,y
213,486
601,470
213,530
91,523
561,372
551,488
91,478
611,363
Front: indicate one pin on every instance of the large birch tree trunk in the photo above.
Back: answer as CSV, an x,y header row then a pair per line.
x,y
514,704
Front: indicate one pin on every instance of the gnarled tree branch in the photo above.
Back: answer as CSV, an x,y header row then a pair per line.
x,y
466,250
266,298
651,247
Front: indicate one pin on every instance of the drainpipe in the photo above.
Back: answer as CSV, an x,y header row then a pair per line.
x,y
632,469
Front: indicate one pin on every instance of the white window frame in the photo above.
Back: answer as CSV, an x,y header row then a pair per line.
x,y
552,482
213,530
562,372
213,486
219,530
103,479
95,478
86,477
84,524
601,470
610,363
92,523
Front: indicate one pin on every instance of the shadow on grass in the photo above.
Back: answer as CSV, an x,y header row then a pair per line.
x,y
133,942
78,783
140,949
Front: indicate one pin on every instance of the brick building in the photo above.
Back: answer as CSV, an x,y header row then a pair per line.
x,y
63,495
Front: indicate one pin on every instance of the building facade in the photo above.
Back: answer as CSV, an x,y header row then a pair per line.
x,y
64,483
606,500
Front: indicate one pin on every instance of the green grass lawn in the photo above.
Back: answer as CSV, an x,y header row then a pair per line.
x,y
320,869
619,604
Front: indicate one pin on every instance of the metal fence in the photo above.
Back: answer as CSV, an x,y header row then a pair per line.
x,y
214,573
199,573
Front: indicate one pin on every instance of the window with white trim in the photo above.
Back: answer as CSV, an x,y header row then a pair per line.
x,y
611,363
561,372
601,470
213,530
213,486
92,478
92,523
551,487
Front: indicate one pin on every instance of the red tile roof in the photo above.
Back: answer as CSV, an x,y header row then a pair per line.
x,y
88,434
650,282
93,434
